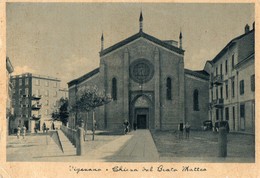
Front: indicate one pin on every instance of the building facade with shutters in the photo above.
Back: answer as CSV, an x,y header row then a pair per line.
x,y
34,99
146,78
232,83
9,88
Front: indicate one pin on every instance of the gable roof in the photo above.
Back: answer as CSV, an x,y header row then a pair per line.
x,y
231,43
139,35
84,77
200,74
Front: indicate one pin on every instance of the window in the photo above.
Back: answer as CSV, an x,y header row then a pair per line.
x,y
217,115
169,88
234,118
196,100
20,82
47,103
27,81
226,89
220,69
226,66
26,91
216,92
233,61
227,113
47,93
216,71
114,89
20,91
13,82
212,95
38,92
55,94
233,88
46,83
252,78
37,82
242,111
221,92
55,84
241,84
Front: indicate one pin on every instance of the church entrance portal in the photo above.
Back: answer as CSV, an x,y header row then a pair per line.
x,y
141,121
141,112
141,118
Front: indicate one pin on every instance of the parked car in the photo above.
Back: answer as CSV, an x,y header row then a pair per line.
x,y
207,125
219,124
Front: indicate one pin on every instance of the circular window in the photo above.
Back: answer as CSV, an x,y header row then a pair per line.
x,y
141,70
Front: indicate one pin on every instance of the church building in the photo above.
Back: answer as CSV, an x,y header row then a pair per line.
x,y
148,83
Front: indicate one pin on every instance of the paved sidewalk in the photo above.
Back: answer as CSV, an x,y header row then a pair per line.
x,y
137,146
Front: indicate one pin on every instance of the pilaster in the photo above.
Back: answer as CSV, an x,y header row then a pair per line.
x,y
126,84
157,98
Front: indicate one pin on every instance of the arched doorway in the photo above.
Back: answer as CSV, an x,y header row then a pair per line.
x,y
141,112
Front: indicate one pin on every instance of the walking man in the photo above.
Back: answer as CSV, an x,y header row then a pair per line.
x,y
180,130
126,125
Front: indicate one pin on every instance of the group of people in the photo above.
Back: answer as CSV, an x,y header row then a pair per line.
x,y
127,125
21,130
182,127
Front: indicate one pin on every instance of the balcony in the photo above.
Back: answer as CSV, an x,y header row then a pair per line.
x,y
36,117
36,106
218,80
218,103
36,97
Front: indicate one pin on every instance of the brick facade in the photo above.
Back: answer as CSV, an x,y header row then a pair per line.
x,y
151,104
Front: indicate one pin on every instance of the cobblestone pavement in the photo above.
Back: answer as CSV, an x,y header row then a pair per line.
x,y
202,146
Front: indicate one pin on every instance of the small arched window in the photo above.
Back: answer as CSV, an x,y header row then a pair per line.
x,y
114,89
196,100
169,88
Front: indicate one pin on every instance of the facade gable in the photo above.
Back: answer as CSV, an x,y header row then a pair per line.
x,y
145,36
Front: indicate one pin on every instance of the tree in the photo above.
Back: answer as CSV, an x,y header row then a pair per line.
x,y
89,99
62,113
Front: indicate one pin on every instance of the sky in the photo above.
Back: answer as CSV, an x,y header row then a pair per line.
x,y
63,39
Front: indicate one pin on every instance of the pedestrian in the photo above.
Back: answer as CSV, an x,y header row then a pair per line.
x,y
187,129
52,126
135,126
180,130
18,132
44,127
126,126
24,131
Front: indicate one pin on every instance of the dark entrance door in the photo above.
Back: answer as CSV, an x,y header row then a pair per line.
x,y
26,124
141,121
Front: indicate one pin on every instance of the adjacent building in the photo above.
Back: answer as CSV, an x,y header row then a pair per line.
x,y
232,83
34,99
9,87
146,78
